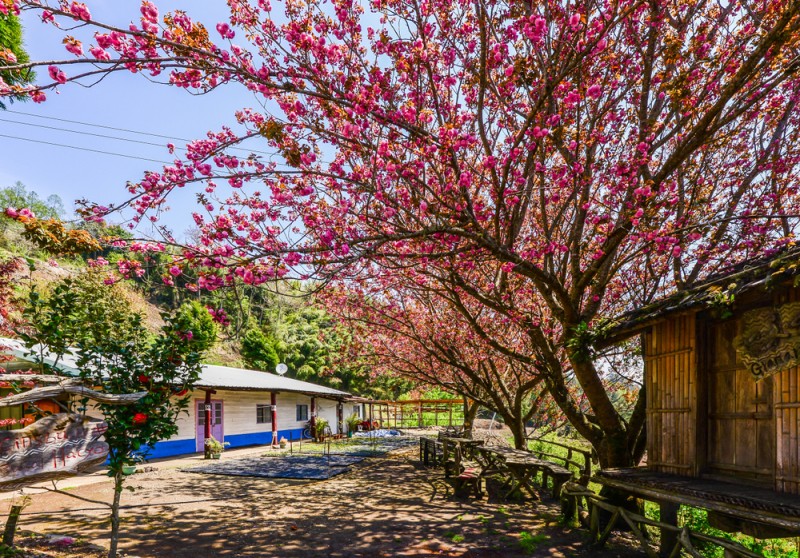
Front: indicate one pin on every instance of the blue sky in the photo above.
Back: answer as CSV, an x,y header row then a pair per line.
x,y
123,101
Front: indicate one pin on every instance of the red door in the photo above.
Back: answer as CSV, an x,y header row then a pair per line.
x,y
216,422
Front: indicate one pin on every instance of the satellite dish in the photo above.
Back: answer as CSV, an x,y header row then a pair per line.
x,y
281,368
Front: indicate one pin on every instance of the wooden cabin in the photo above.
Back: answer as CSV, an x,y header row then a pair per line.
x,y
722,374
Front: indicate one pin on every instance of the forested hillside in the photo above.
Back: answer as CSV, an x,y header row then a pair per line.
x,y
254,326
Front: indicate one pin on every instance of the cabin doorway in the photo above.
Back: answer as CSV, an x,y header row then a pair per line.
x,y
741,422
217,430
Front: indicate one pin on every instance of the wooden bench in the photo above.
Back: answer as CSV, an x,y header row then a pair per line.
x,y
468,473
558,474
470,477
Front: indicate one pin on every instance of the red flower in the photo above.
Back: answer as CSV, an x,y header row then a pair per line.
x,y
182,392
144,379
139,418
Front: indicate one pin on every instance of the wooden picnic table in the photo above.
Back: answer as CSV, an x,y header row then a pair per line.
x,y
522,474
521,467
491,459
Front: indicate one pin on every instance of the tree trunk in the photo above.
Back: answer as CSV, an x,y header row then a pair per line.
x,y
118,480
614,451
470,412
11,525
517,426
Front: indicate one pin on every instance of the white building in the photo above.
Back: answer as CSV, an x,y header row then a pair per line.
x,y
240,406
241,412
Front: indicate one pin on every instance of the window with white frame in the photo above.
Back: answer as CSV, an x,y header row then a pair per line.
x,y
263,414
357,410
302,413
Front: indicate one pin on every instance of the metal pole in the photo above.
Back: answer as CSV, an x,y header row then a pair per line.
x,y
273,400
313,420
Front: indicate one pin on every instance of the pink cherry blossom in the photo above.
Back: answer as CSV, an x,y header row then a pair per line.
x,y
57,75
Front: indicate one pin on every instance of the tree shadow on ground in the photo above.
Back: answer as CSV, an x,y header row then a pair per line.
x,y
383,507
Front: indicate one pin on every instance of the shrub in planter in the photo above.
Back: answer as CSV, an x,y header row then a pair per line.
x,y
320,425
215,447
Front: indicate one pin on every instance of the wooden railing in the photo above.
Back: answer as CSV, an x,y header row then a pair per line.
x,y
415,413
584,466
685,539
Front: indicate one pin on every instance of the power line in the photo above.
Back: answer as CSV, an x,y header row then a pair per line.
x,y
78,122
96,125
86,133
86,149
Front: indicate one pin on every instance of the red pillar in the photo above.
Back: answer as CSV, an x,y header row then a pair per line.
x,y
340,418
207,430
273,400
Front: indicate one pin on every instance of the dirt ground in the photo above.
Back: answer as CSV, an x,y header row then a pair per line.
x,y
382,507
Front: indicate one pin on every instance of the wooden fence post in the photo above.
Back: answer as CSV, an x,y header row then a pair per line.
x,y
669,538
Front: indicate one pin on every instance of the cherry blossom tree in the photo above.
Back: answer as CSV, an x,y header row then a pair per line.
x,y
594,153
420,334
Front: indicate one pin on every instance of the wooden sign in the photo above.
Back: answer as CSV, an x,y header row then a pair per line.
x,y
54,447
769,339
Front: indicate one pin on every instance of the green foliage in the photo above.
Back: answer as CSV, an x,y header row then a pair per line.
x,y
320,424
215,446
258,350
437,392
194,317
18,196
301,346
721,301
583,337
352,422
9,551
11,39
529,542
697,521
117,354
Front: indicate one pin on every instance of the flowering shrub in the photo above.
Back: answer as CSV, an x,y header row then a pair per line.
x,y
116,354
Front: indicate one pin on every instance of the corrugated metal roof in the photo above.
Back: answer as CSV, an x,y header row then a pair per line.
x,y
211,376
225,377
66,364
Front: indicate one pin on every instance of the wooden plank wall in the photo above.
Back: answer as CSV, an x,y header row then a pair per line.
x,y
671,377
787,421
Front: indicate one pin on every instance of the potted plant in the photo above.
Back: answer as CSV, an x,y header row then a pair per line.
x,y
352,424
320,426
215,447
130,468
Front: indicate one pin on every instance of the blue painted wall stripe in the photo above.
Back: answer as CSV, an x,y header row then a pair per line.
x,y
170,448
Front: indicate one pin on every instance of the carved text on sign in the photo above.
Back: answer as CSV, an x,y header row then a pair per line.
x,y
769,339
53,447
